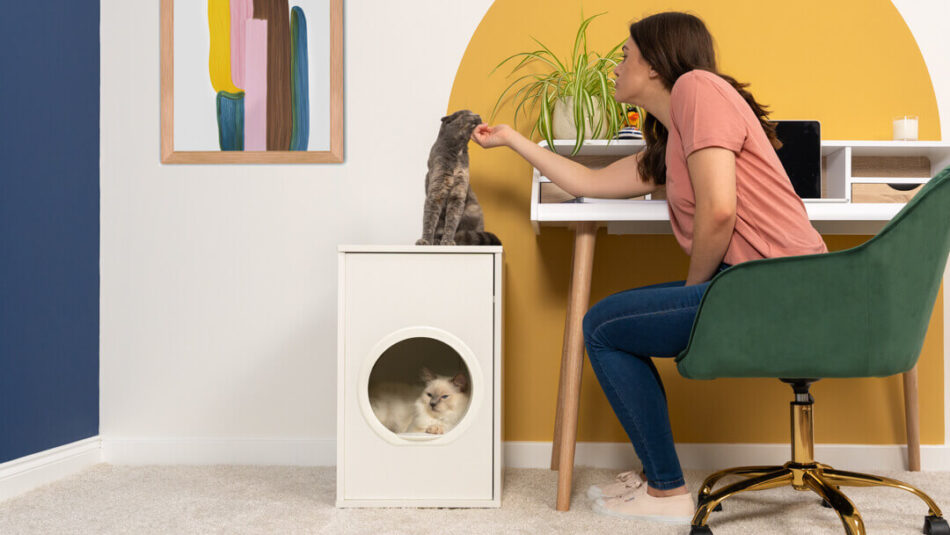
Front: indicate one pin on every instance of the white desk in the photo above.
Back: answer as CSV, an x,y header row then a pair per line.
x,y
845,163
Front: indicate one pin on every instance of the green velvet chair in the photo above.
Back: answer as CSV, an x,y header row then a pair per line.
x,y
860,312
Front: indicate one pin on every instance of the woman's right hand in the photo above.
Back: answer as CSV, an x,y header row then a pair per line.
x,y
492,136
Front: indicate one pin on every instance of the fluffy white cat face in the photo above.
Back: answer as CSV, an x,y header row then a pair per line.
x,y
444,395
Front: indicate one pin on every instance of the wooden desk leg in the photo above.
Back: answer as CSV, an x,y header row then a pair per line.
x,y
912,419
556,443
584,235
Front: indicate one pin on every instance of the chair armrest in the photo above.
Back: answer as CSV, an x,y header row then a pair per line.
x,y
788,317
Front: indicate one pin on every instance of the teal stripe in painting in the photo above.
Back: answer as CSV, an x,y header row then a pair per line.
x,y
299,82
230,120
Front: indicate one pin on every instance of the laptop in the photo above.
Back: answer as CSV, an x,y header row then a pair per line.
x,y
801,155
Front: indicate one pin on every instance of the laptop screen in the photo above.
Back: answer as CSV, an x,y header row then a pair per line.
x,y
801,155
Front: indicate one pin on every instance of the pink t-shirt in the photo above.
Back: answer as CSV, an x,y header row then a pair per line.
x,y
771,220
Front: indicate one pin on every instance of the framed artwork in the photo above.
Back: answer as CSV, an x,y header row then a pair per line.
x,y
252,81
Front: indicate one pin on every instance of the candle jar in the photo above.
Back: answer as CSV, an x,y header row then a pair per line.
x,y
905,128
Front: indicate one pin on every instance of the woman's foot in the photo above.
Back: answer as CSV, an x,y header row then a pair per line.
x,y
623,484
674,509
657,493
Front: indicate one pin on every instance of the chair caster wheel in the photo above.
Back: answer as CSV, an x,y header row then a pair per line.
x,y
700,530
935,525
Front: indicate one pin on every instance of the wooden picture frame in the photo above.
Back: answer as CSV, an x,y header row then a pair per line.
x,y
169,155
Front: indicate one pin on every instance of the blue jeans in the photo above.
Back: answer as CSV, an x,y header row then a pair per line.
x,y
621,333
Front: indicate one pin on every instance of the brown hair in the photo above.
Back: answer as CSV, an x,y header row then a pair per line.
x,y
673,44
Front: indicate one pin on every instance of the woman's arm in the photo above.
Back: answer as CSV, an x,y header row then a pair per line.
x,y
712,172
571,176
619,180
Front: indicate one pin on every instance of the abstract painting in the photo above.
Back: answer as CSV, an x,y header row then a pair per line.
x,y
252,81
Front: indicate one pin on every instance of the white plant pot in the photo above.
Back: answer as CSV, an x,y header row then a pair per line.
x,y
562,121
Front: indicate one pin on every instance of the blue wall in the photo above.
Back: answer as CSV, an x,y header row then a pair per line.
x,y
49,225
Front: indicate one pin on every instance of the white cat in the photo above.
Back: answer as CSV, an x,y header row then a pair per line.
x,y
434,409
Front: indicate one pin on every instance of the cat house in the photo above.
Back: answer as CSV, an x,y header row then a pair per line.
x,y
419,376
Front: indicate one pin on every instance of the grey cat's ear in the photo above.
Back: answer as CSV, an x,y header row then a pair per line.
x,y
426,375
460,381
452,116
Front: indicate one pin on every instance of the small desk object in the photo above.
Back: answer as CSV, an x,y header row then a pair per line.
x,y
864,184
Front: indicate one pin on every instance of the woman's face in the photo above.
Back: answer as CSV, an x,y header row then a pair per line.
x,y
633,74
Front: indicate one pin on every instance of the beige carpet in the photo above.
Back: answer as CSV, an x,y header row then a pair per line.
x,y
273,499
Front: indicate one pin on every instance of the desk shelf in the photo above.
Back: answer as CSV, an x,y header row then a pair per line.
x,y
844,163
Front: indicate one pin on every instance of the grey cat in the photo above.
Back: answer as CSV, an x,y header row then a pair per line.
x,y
452,215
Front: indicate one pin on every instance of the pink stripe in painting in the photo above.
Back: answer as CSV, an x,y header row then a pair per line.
x,y
255,94
239,15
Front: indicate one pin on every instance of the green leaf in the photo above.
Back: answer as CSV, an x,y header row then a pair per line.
x,y
560,65
617,49
607,108
533,88
545,119
536,55
529,56
579,121
582,31
503,93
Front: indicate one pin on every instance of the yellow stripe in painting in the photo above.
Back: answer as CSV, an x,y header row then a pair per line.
x,y
219,58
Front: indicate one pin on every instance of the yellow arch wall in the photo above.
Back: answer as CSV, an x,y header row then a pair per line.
x,y
852,64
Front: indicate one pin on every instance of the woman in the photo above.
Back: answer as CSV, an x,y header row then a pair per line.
x,y
730,201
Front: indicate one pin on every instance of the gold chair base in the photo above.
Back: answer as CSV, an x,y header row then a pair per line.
x,y
819,478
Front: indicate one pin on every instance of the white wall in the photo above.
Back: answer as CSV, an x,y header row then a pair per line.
x,y
218,283
218,304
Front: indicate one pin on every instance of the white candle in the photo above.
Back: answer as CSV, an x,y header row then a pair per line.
x,y
905,128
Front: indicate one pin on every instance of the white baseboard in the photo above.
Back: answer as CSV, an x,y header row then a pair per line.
x,y
27,473
204,451
620,456
613,455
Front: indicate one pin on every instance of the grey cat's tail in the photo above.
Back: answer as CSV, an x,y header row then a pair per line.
x,y
476,237
473,237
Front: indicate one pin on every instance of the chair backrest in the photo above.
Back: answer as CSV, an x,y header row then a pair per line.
x,y
905,262
759,318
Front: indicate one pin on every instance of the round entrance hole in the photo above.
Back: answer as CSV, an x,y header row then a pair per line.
x,y
420,389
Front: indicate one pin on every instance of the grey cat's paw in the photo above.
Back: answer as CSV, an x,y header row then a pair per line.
x,y
422,241
435,429
447,242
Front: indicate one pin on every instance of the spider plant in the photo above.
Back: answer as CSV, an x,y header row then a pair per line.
x,y
584,77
